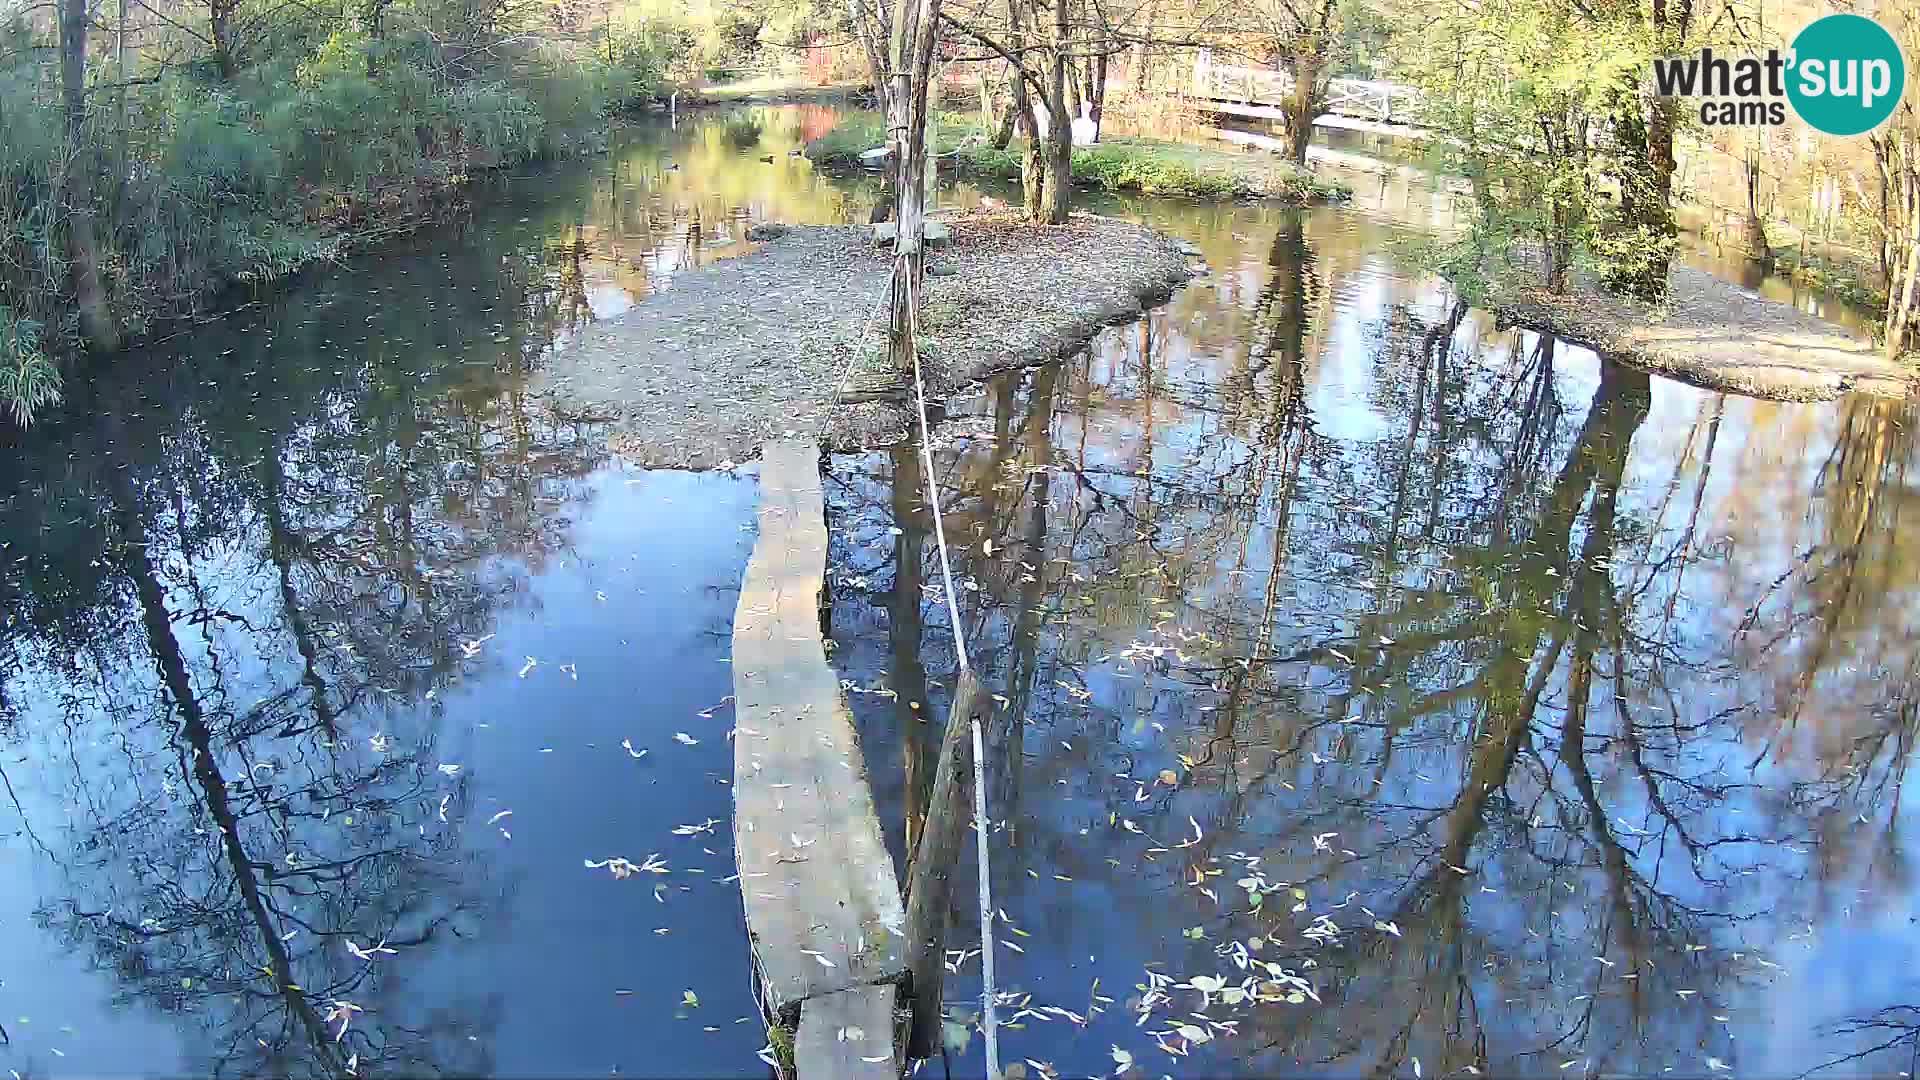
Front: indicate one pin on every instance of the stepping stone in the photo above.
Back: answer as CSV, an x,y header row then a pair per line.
x,y
936,234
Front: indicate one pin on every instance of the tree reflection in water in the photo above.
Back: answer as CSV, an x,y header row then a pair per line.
x,y
250,602
1443,670
1557,719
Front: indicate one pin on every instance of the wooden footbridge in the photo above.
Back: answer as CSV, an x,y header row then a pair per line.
x,y
848,972
1352,104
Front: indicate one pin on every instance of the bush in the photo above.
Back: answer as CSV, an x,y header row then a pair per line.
x,y
740,132
1131,168
28,380
211,183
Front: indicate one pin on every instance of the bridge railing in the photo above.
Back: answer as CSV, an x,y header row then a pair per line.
x,y
1368,99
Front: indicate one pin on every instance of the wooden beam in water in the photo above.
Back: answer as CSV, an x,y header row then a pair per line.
x,y
930,876
823,907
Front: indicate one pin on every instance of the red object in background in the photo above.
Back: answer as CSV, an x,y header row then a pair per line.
x,y
816,120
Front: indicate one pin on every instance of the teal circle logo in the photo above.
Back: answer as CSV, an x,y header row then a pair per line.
x,y
1846,74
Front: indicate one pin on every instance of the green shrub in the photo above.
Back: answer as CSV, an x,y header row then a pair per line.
x,y
740,132
210,182
28,380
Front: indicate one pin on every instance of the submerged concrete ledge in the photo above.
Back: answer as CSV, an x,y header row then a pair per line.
x,y
823,910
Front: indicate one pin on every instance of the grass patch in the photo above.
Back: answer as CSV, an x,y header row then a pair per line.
x,y
772,88
1845,280
1142,166
782,1042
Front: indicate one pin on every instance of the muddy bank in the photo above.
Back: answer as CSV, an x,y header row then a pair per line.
x,y
1712,334
762,345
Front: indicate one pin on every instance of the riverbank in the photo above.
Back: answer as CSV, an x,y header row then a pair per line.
x,y
776,91
1121,165
759,346
253,180
1712,334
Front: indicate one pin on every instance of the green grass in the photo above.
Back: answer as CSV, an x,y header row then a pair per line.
x,y
1143,166
1846,280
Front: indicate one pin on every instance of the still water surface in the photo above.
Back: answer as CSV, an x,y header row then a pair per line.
x,y
1558,717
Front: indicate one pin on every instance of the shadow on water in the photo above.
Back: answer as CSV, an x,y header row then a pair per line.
x,y
1482,703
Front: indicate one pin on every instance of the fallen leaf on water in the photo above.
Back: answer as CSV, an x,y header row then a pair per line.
x,y
690,999
369,954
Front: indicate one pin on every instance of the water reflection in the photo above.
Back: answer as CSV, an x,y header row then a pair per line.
x,y
327,657
267,598
246,595
1465,698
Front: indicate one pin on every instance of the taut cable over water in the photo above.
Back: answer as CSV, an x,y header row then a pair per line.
x,y
967,689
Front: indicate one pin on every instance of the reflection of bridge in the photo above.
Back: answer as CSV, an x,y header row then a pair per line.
x,y
1356,104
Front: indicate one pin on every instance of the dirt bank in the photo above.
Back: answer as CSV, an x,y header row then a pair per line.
x,y
1713,334
760,345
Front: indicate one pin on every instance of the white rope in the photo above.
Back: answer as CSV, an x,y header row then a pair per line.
x,y
989,1024
926,466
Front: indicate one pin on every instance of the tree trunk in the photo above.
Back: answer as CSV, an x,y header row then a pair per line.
x,y
914,31
1559,251
1754,240
1033,165
1060,125
1074,97
79,184
1002,129
1900,293
996,124
1671,25
1658,213
1097,98
220,24
930,871
871,27
1033,183
1303,104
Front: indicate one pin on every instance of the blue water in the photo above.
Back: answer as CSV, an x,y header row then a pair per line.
x,y
320,638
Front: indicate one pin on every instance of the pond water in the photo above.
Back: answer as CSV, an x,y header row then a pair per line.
x,y
1558,717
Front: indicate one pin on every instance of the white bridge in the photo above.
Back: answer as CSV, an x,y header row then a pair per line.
x,y
1358,104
